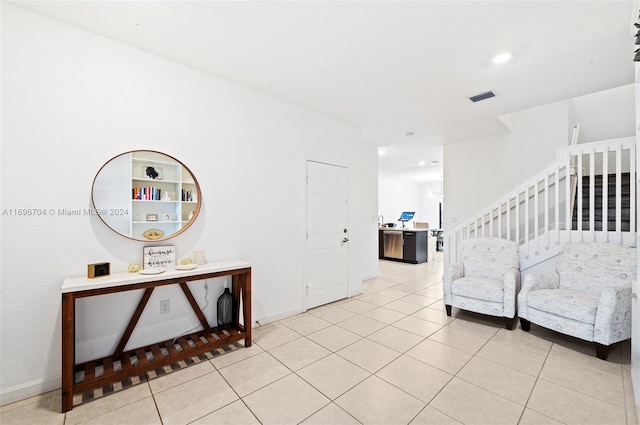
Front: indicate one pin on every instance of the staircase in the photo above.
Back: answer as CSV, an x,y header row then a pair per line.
x,y
625,188
555,206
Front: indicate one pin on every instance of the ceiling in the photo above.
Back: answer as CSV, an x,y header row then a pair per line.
x,y
387,67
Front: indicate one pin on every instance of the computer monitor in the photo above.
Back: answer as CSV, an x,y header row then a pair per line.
x,y
406,215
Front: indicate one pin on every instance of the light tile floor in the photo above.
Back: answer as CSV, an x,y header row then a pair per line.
x,y
388,356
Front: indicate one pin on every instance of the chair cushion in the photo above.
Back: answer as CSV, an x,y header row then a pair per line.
x,y
482,288
575,305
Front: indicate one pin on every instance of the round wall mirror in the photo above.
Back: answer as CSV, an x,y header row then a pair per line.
x,y
146,195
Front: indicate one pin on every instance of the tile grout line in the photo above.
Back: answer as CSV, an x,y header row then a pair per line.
x,y
526,405
427,404
234,390
155,402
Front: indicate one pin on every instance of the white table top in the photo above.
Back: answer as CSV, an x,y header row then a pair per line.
x,y
83,283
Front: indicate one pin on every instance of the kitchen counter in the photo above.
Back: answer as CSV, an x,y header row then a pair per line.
x,y
407,244
406,229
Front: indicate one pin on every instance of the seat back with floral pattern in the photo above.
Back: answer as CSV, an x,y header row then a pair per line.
x,y
594,265
488,257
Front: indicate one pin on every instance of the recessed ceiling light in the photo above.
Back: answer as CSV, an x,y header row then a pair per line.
x,y
381,151
410,133
421,163
501,58
435,162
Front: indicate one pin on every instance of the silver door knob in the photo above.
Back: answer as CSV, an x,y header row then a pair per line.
x,y
345,240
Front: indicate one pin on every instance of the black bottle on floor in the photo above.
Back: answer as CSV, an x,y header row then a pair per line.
x,y
225,308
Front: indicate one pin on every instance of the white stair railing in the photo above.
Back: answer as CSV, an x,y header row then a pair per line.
x,y
546,211
574,177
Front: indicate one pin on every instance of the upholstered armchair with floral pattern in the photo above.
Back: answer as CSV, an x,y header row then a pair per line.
x,y
486,279
588,297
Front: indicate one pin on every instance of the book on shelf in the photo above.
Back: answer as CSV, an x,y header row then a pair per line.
x,y
146,193
188,195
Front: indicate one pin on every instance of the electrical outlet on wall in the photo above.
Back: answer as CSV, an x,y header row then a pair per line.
x,y
164,306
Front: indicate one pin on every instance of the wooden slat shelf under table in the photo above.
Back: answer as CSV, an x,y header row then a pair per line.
x,y
121,364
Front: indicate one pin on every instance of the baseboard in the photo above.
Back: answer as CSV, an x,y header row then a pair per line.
x,y
29,389
275,317
375,276
356,293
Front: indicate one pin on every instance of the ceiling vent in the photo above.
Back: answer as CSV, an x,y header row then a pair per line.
x,y
482,96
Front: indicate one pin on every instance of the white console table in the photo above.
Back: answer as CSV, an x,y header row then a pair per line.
x,y
122,364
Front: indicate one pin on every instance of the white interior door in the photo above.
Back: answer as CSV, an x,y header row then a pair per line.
x,y
327,233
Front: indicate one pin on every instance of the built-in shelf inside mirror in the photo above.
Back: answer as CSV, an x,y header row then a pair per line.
x,y
154,190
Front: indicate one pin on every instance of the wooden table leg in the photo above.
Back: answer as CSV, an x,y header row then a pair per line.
x,y
236,292
241,291
246,306
68,350
133,322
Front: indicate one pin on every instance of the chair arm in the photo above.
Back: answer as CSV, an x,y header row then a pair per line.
x,y
613,317
511,288
535,282
451,273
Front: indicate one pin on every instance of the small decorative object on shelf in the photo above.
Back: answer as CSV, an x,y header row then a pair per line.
x,y
98,270
186,261
152,217
153,234
134,268
186,266
200,258
159,256
190,215
155,270
225,306
154,173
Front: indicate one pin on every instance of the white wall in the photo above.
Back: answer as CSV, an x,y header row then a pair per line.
x,y
71,100
479,171
430,199
605,115
396,196
367,213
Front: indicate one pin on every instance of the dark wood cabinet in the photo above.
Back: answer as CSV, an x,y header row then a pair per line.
x,y
415,247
